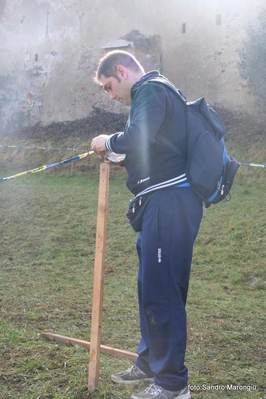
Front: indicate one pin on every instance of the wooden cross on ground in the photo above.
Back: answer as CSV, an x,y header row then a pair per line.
x,y
98,283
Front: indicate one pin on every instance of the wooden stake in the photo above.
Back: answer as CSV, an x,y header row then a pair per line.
x,y
72,164
103,349
97,300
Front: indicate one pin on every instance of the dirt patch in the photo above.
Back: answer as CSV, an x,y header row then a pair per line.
x,y
240,127
98,122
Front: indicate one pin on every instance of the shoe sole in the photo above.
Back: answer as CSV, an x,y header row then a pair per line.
x,y
118,380
184,396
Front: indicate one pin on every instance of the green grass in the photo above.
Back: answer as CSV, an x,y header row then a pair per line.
x,y
47,228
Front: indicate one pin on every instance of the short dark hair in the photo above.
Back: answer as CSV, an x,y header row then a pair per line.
x,y
108,64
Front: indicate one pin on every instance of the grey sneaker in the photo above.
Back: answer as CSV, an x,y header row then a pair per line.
x,y
130,376
157,392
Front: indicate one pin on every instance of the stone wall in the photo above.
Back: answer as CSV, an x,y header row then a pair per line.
x,y
50,50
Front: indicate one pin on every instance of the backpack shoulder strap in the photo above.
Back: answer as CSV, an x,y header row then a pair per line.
x,y
170,144
181,96
171,86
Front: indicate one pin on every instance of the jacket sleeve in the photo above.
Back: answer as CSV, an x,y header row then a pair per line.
x,y
148,112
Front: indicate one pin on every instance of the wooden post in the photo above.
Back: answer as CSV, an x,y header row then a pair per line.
x,y
97,300
63,339
72,164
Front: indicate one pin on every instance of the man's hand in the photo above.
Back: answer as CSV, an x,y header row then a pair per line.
x,y
98,145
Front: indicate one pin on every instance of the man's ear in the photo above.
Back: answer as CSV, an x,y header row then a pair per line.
x,y
122,72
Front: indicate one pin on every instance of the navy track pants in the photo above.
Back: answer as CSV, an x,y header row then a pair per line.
x,y
165,246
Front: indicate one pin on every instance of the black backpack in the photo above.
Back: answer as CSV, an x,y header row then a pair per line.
x,y
210,170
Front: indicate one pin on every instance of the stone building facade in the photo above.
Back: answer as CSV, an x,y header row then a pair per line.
x,y
50,50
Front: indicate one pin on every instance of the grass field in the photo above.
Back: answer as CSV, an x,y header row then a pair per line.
x,y
47,228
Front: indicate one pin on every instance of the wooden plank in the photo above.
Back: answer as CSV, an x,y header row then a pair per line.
x,y
95,346
97,298
103,349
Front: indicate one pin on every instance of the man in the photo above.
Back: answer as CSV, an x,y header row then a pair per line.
x,y
170,221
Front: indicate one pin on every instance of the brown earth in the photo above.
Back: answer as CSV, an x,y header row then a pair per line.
x,y
98,122
240,127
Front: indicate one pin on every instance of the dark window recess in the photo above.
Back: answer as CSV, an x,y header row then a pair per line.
x,y
36,57
183,30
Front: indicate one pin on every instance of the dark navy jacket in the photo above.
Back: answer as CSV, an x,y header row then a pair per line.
x,y
149,162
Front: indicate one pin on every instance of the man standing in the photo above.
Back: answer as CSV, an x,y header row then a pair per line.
x,y
169,225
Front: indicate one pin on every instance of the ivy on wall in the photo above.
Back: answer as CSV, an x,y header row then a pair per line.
x,y
252,64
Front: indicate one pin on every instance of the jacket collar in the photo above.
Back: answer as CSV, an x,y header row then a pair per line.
x,y
147,76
